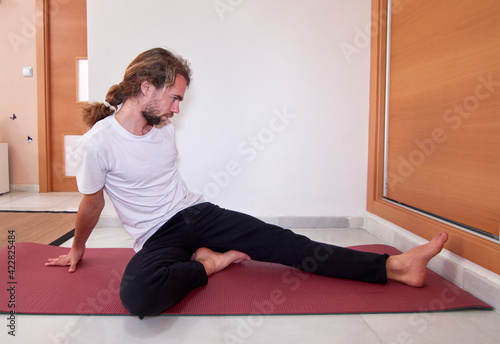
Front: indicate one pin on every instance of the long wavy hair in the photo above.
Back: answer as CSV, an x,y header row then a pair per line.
x,y
158,66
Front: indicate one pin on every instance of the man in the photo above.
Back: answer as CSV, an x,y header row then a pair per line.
x,y
179,238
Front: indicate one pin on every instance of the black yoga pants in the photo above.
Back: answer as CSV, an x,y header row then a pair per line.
x,y
162,273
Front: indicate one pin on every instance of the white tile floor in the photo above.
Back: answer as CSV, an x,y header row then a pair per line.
x,y
451,327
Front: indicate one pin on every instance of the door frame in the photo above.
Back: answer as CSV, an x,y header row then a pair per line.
x,y
479,250
44,9
43,99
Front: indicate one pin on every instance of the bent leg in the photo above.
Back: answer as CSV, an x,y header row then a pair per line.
x,y
170,265
155,280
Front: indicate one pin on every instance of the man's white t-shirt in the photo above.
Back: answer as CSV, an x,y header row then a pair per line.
x,y
139,173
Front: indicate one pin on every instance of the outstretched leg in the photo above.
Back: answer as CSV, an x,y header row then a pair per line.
x,y
410,267
221,230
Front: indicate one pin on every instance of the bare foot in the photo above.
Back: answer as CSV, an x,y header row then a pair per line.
x,y
215,261
409,267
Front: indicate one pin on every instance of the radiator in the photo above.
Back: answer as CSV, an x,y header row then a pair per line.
x,y
4,168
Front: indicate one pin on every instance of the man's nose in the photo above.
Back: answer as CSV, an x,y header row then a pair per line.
x,y
175,107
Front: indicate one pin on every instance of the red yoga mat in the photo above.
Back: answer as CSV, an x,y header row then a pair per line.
x,y
241,289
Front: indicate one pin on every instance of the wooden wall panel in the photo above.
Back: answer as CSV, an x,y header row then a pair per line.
x,y
444,119
476,248
67,41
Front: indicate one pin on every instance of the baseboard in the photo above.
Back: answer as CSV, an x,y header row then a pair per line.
x,y
315,221
24,188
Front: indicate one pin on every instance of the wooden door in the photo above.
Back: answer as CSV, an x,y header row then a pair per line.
x,y
444,110
66,43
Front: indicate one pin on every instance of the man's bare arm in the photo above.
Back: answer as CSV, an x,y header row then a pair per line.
x,y
88,214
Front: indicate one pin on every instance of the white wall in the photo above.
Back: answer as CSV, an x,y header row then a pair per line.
x,y
279,72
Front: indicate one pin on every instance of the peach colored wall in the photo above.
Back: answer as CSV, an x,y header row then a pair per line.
x,y
18,93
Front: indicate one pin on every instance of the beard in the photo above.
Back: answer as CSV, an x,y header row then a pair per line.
x,y
152,118
151,114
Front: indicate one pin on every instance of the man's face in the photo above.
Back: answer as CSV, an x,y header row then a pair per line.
x,y
164,102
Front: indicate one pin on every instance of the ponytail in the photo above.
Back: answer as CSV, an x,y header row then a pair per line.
x,y
94,112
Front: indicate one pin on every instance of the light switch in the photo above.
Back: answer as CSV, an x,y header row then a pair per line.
x,y
28,72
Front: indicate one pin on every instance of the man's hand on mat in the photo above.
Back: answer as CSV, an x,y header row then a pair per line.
x,y
71,259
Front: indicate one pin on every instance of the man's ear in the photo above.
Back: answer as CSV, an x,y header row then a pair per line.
x,y
147,88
